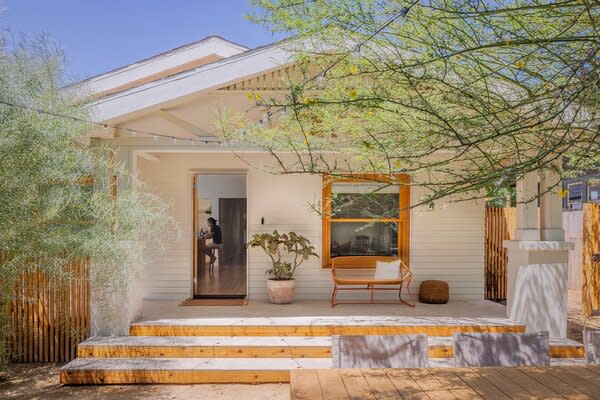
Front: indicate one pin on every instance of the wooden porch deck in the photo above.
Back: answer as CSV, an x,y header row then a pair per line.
x,y
161,309
562,382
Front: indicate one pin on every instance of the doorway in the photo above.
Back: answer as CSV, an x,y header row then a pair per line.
x,y
220,235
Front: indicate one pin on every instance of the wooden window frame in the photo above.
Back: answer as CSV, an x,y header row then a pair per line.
x,y
403,219
583,194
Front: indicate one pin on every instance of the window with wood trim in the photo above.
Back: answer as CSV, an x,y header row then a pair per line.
x,y
366,219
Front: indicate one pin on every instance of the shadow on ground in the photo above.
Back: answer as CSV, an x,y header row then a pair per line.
x,y
40,381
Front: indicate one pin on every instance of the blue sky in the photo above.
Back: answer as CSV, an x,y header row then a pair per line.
x,y
99,35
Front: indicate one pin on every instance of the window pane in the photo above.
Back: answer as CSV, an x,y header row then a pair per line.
x,y
364,239
575,196
365,200
594,190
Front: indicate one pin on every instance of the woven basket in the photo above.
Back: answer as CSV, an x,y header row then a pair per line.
x,y
433,292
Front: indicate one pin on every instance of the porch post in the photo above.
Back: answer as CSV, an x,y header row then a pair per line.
x,y
115,298
527,209
537,258
550,207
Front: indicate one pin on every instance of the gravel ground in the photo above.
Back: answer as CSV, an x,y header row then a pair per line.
x,y
577,321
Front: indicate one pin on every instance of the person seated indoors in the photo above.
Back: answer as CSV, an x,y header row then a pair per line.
x,y
215,235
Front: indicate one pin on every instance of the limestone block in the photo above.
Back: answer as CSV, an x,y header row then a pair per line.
x,y
591,341
400,351
501,349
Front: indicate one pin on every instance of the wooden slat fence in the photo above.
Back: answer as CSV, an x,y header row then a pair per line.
x,y
500,224
590,293
50,314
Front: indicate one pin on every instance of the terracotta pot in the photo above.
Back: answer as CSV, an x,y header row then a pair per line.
x,y
281,292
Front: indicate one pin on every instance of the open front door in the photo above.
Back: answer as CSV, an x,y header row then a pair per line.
x,y
220,226
195,235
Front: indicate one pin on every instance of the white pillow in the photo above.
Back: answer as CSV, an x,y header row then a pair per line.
x,y
387,271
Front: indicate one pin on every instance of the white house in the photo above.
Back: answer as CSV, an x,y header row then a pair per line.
x,y
179,93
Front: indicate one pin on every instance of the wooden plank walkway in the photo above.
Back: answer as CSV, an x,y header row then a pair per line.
x,y
564,382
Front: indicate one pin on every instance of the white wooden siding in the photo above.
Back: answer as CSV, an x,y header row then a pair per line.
x,y
446,243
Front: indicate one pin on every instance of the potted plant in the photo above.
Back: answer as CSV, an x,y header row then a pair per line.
x,y
286,251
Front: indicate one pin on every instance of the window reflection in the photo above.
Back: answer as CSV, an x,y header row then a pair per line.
x,y
364,200
364,239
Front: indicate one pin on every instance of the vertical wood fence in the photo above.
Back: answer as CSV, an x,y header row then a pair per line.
x,y
50,314
500,224
590,291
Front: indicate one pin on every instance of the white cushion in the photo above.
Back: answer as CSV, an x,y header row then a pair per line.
x,y
387,270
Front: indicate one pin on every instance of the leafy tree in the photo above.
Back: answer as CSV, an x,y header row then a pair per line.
x,y
464,96
56,192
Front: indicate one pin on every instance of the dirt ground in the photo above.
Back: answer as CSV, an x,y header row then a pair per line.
x,y
40,381
577,321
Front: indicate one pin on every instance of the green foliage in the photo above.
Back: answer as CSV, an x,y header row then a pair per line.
x,y
292,244
459,95
56,192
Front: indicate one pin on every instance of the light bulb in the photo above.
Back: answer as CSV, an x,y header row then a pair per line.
x,y
321,78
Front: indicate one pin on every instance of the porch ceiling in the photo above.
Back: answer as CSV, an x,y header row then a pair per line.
x,y
195,118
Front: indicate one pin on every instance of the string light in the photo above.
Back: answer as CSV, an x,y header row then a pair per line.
x,y
105,127
321,78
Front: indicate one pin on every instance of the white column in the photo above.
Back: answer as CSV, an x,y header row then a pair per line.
x,y
527,209
115,299
551,207
537,259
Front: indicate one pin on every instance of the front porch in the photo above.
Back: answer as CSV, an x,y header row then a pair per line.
x,y
167,309
262,342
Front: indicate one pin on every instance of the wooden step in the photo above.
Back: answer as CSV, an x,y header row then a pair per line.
x,y
322,326
93,371
105,371
443,347
257,347
206,347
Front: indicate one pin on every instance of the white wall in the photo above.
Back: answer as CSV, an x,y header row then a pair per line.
x,y
447,243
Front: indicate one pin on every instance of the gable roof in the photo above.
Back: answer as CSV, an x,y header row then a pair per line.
x,y
168,63
156,93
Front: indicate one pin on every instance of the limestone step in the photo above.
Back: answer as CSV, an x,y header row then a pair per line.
x,y
87,371
322,326
257,347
